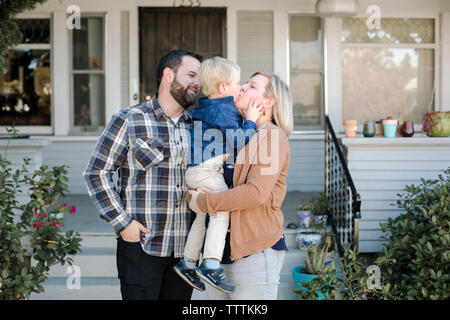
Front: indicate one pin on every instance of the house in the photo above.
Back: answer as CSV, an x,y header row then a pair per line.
x,y
81,61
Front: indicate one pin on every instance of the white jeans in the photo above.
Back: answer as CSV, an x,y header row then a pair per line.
x,y
255,278
207,174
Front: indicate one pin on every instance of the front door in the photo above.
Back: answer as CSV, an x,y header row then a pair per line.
x,y
162,30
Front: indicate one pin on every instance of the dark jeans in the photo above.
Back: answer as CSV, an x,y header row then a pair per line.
x,y
146,277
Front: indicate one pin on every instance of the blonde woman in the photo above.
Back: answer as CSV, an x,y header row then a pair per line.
x,y
215,116
259,186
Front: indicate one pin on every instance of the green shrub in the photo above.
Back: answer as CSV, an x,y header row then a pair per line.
x,y
35,221
415,261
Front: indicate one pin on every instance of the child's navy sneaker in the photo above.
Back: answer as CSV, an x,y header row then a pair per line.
x,y
216,278
189,275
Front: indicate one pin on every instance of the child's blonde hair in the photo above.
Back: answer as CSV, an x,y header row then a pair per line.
x,y
214,71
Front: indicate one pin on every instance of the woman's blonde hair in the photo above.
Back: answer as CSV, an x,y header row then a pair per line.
x,y
282,109
214,71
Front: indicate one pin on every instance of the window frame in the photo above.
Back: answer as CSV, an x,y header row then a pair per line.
x,y
32,129
434,46
86,130
319,128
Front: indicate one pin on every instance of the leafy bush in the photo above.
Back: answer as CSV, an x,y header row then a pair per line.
x,y
416,259
34,220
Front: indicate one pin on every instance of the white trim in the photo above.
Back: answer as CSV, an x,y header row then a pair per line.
x,y
134,44
232,52
61,74
437,63
389,45
68,138
445,62
88,71
29,129
33,15
312,135
333,71
33,46
420,140
112,63
281,45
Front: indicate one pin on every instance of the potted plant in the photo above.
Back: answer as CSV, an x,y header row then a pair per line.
x,y
304,216
316,279
436,124
320,209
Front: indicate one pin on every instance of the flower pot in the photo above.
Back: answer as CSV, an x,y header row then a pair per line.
x,y
298,275
350,128
305,239
318,219
390,128
304,218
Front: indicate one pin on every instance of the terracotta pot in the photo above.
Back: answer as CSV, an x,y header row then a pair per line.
x,y
350,128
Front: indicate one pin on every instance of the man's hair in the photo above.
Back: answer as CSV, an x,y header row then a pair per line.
x,y
173,60
214,71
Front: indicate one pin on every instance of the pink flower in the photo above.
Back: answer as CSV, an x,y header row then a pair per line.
x,y
64,205
73,209
41,223
44,215
57,225
34,225
36,214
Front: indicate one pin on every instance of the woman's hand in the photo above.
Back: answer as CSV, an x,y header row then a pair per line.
x,y
191,198
254,109
203,190
193,194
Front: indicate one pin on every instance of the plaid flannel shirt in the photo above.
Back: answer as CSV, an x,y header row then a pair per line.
x,y
151,154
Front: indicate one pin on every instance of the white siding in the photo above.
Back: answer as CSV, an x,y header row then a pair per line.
x,y
307,166
381,168
254,42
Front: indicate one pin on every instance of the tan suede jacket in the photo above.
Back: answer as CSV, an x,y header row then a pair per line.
x,y
259,180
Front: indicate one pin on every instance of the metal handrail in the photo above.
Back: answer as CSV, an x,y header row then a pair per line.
x,y
339,187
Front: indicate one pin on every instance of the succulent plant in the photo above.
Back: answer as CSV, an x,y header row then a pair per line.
x,y
436,124
315,257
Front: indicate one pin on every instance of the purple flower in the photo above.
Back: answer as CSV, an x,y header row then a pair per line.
x,y
73,209
64,205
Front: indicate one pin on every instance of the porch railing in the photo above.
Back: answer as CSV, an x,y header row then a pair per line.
x,y
345,201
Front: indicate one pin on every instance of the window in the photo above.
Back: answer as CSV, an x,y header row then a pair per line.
x,y
88,76
390,71
306,71
25,88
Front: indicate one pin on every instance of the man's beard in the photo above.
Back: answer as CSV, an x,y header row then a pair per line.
x,y
181,94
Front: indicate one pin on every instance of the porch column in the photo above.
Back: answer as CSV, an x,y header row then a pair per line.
x,y
112,64
333,79
445,61
60,74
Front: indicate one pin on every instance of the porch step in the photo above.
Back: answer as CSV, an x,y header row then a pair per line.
x,y
97,263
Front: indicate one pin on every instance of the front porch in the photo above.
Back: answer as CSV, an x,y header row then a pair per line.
x,y
97,261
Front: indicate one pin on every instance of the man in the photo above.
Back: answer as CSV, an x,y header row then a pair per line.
x,y
149,146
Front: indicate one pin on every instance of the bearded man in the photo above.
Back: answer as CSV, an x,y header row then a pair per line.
x,y
148,144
